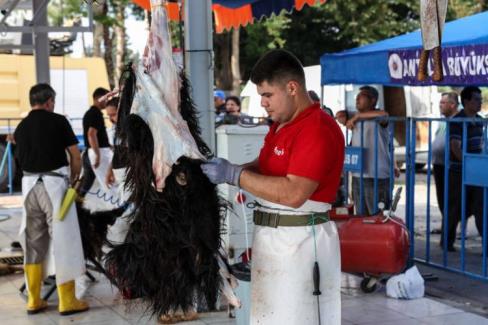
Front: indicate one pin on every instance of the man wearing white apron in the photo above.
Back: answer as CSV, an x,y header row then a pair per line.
x,y
51,246
296,178
98,154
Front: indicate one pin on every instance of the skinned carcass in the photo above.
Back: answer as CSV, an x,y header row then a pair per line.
x,y
170,255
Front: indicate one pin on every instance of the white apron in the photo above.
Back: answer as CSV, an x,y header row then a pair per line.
x,y
101,197
118,231
65,254
282,269
106,155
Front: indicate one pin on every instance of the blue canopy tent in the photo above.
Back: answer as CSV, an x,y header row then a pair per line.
x,y
394,61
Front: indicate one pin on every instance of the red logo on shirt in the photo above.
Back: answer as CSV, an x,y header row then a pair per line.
x,y
279,152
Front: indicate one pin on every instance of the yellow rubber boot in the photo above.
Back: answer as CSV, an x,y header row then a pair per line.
x,y
68,304
33,274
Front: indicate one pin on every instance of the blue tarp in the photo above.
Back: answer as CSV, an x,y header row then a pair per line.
x,y
369,64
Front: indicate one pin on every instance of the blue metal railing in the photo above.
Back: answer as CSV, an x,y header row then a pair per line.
x,y
418,218
449,261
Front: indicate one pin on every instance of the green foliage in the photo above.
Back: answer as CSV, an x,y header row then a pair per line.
x,y
259,38
61,10
331,27
462,8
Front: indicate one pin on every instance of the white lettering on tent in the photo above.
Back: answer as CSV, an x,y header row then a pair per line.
x,y
458,63
480,67
457,67
464,64
405,70
472,64
450,65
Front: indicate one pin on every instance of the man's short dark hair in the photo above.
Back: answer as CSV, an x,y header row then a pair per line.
x,y
278,66
235,99
467,93
113,102
452,96
99,92
313,95
40,94
370,92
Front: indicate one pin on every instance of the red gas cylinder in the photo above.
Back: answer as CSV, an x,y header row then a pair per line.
x,y
371,245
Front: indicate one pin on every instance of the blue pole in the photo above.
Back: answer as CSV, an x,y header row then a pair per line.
x,y
4,158
485,230
346,174
361,189
408,214
412,183
391,127
376,130
485,212
447,163
429,160
463,196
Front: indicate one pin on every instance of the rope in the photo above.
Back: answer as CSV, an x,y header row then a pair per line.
x,y
316,264
312,223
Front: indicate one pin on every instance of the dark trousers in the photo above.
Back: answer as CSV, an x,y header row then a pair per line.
x,y
369,206
474,206
439,186
88,175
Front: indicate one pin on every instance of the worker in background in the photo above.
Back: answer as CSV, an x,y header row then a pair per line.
x,y
42,139
98,154
363,127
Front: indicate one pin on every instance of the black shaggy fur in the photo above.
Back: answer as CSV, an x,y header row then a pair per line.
x,y
168,257
93,229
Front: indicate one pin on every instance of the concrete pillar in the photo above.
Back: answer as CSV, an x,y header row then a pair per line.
x,y
199,63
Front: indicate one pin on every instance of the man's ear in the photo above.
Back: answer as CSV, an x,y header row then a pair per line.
x,y
292,87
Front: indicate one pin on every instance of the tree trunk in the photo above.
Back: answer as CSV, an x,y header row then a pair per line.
x,y
98,13
83,42
108,55
223,75
119,30
147,19
234,60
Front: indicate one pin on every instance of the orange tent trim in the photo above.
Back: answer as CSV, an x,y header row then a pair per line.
x,y
225,18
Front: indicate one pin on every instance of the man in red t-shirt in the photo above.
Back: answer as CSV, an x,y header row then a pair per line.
x,y
295,180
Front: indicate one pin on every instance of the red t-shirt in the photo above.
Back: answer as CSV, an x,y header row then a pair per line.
x,y
311,146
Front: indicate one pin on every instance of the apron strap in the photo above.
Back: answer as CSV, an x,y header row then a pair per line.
x,y
41,175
